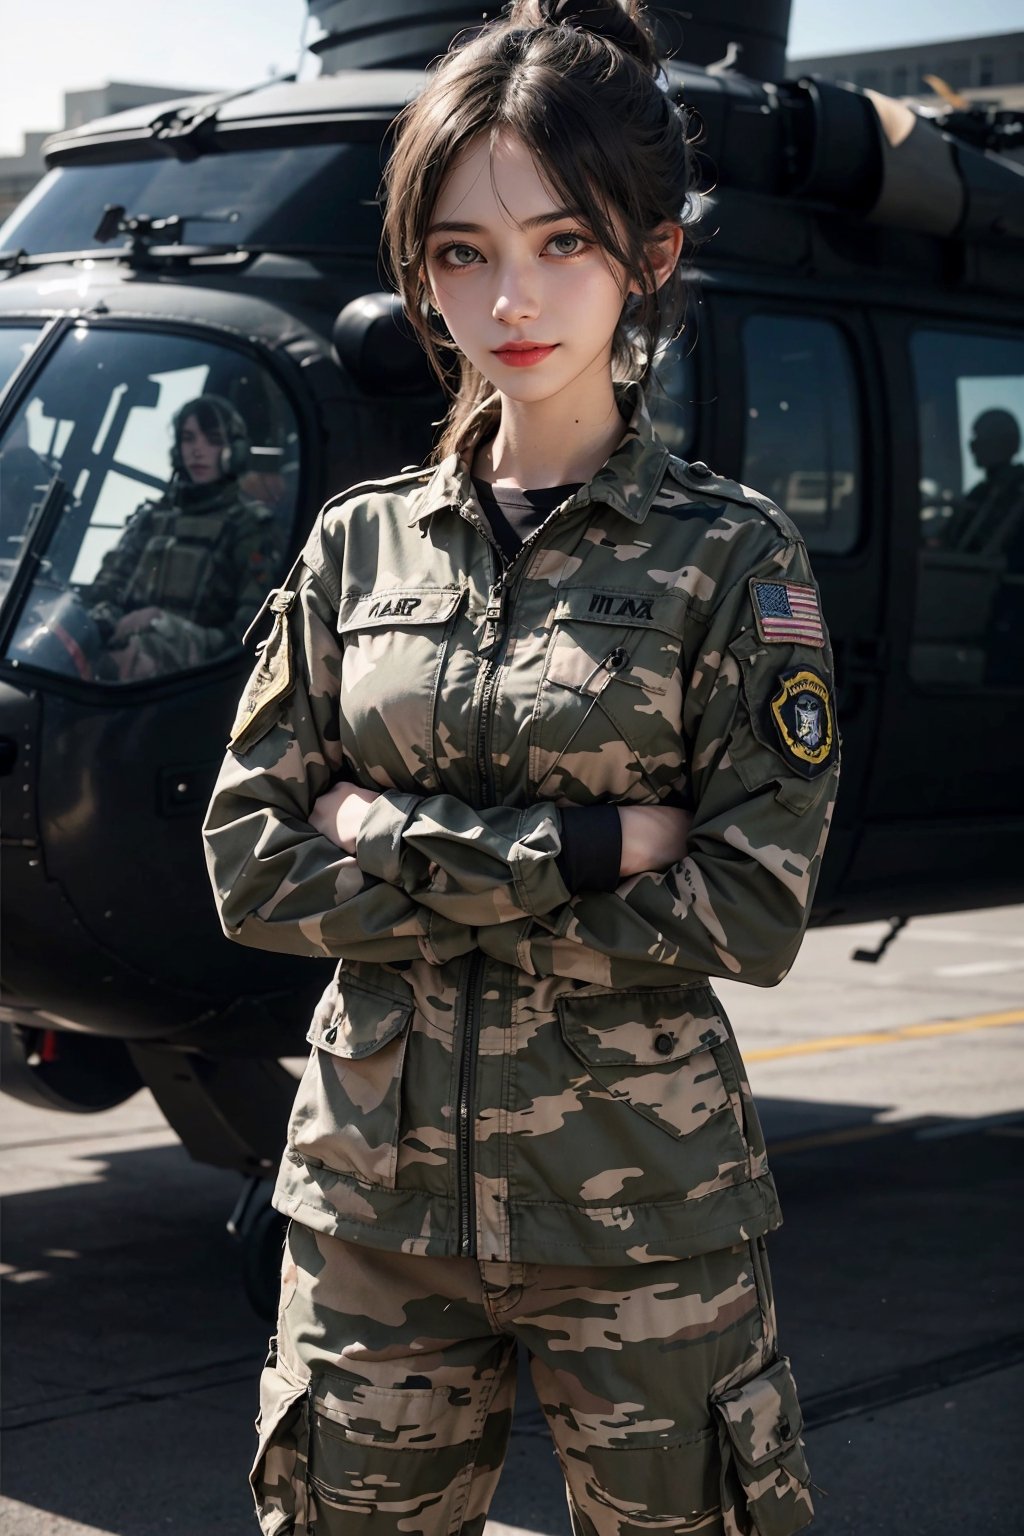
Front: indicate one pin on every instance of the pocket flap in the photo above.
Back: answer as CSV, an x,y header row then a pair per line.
x,y
361,1021
763,1416
397,605
641,1028
657,609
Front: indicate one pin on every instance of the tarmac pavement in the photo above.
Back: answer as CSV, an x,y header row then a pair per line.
x,y
893,1099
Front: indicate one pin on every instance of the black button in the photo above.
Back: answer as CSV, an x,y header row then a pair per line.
x,y
699,468
330,1035
616,661
665,1044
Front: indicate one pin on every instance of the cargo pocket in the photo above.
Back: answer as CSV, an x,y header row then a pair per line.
x,y
347,1110
396,1455
279,1474
765,1475
656,1050
666,1487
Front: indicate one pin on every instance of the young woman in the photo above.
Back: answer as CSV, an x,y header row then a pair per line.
x,y
541,738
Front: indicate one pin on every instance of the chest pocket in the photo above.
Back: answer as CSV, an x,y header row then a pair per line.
x,y
393,647
609,712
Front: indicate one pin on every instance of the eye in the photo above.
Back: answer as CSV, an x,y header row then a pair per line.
x,y
569,243
458,256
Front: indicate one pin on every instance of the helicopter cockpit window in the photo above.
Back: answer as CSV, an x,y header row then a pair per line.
x,y
159,505
17,464
802,438
969,614
16,342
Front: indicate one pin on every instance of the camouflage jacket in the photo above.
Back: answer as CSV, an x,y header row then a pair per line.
x,y
207,563
501,1067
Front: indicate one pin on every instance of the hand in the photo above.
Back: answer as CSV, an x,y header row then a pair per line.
x,y
131,623
338,813
132,662
653,837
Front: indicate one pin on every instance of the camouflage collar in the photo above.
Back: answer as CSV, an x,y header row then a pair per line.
x,y
628,482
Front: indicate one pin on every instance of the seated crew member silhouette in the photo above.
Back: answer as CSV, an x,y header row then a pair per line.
x,y
989,518
191,568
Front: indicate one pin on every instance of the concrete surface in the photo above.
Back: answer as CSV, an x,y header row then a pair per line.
x,y
131,1357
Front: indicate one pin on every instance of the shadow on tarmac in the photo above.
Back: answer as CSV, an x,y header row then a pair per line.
x,y
131,1356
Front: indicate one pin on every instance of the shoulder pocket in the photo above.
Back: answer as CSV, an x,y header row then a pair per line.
x,y
764,1469
272,681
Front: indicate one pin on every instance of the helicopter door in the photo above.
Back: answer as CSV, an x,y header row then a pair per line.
x,y
798,428
950,758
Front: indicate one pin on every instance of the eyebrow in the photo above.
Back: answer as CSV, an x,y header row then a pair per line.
x,y
459,226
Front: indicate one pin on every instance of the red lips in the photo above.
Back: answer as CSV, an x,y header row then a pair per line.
x,y
523,354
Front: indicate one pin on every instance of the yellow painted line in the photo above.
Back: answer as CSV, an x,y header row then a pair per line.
x,y
889,1036
850,1133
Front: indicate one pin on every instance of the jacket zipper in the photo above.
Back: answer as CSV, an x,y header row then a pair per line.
x,y
491,645
464,1112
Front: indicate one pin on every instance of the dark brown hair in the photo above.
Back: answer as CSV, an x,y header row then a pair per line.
x,y
576,81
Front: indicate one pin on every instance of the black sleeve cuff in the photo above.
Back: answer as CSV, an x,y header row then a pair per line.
x,y
591,848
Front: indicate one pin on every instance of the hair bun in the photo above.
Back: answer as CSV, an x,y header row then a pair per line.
x,y
605,18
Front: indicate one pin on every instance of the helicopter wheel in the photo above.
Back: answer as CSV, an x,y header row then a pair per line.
x,y
261,1232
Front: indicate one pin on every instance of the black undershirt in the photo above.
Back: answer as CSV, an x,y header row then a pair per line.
x,y
591,834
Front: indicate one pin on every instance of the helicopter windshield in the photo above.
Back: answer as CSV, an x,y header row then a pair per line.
x,y
16,342
313,196
156,476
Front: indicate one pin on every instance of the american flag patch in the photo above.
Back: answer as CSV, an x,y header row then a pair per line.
x,y
787,613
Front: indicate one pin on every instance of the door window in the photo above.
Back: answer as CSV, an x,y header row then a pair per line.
x,y
158,489
802,433
969,610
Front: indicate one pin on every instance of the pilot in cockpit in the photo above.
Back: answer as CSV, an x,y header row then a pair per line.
x,y
192,567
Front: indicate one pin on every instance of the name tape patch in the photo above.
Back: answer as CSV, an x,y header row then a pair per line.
x,y
787,613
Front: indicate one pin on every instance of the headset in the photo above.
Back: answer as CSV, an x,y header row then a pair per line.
x,y
234,455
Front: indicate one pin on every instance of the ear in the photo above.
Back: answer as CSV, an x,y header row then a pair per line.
x,y
664,248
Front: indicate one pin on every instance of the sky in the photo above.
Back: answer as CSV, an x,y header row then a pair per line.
x,y
65,45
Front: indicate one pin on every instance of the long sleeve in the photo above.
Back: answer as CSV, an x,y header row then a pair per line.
x,y
764,780
278,884
485,866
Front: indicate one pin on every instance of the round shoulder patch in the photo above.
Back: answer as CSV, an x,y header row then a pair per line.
x,y
802,714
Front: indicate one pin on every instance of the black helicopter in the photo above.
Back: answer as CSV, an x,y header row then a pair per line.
x,y
859,356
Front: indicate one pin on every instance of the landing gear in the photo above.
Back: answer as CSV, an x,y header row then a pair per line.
x,y
260,1230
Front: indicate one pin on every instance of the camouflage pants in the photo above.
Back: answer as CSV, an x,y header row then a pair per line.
x,y
387,1399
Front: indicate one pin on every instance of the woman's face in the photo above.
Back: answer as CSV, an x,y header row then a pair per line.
x,y
505,265
200,454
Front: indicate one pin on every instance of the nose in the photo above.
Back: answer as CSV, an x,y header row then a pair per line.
x,y
517,299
